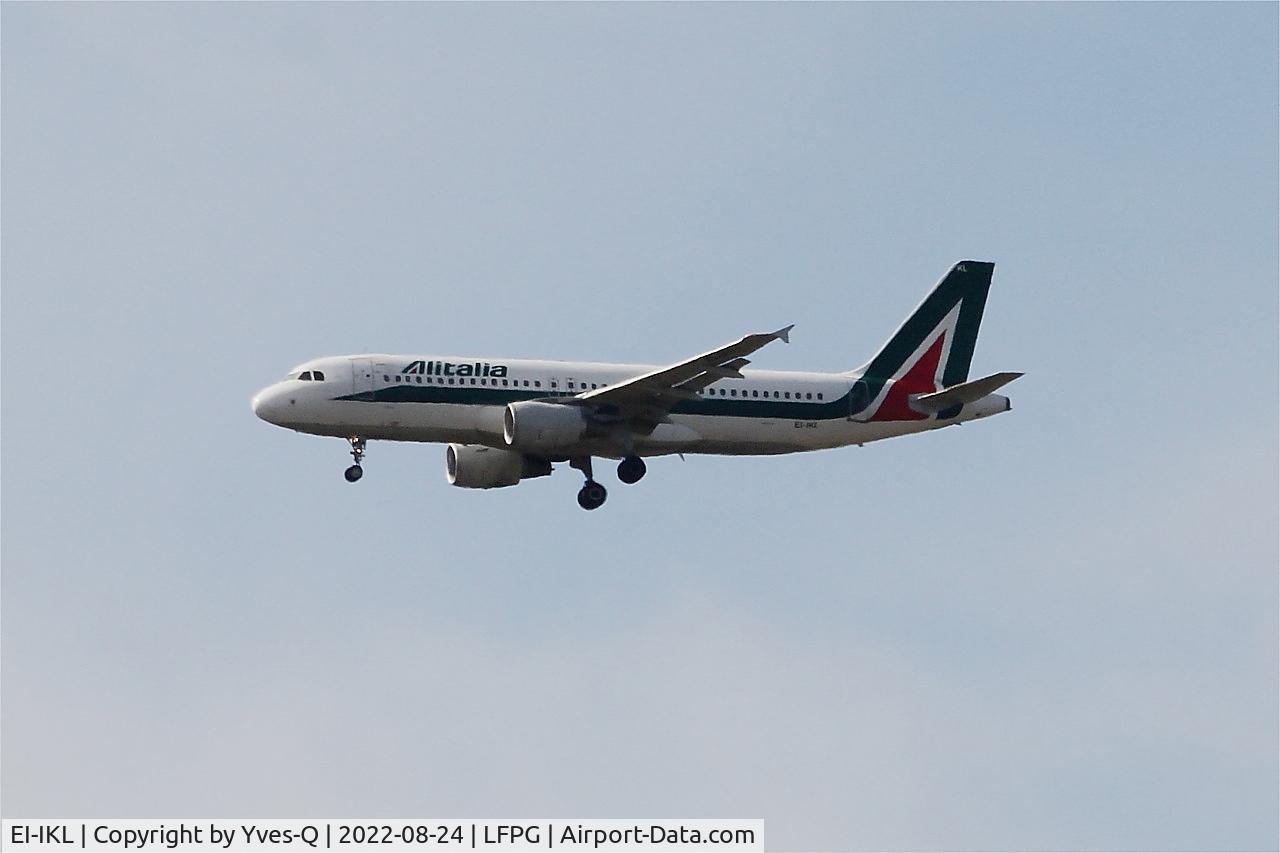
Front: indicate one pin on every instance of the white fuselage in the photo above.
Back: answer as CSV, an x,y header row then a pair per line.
x,y
460,399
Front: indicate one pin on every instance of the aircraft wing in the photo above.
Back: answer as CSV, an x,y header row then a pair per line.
x,y
662,388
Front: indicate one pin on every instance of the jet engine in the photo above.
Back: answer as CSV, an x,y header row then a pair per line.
x,y
475,466
542,427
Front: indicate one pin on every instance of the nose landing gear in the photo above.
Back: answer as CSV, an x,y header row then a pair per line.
x,y
355,472
592,495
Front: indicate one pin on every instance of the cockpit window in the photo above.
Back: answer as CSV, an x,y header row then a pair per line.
x,y
317,375
306,376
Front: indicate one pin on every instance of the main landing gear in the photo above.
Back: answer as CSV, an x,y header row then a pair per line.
x,y
355,472
631,469
592,495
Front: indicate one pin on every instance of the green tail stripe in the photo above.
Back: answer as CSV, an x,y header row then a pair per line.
x,y
972,304
967,284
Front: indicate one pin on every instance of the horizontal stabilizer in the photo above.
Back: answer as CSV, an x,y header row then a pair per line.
x,y
958,395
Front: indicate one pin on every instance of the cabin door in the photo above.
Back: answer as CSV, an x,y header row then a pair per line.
x,y
362,377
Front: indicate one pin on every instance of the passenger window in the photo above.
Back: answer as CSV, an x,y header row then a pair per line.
x,y
537,384
386,378
775,395
397,377
721,392
786,395
808,395
473,381
819,395
755,393
553,383
418,379
733,392
450,380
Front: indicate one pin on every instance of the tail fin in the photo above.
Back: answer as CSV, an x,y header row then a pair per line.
x,y
930,351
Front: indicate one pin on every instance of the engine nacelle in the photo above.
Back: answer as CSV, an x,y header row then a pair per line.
x,y
474,466
542,427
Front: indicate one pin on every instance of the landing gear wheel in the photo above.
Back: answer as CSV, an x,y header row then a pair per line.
x,y
591,495
631,469
355,472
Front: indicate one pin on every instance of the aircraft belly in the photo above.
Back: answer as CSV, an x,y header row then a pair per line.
x,y
428,422
448,422
750,436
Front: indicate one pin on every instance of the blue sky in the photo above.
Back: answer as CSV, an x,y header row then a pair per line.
x,y
1053,630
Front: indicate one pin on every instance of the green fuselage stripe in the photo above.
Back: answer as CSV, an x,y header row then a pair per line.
x,y
466,395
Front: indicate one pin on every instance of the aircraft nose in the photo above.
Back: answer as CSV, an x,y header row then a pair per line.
x,y
266,405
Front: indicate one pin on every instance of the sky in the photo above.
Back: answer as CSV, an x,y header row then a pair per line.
x,y
1056,629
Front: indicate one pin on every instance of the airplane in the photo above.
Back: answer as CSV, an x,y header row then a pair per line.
x,y
506,420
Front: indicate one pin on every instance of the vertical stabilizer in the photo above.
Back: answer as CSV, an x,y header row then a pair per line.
x,y
930,351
